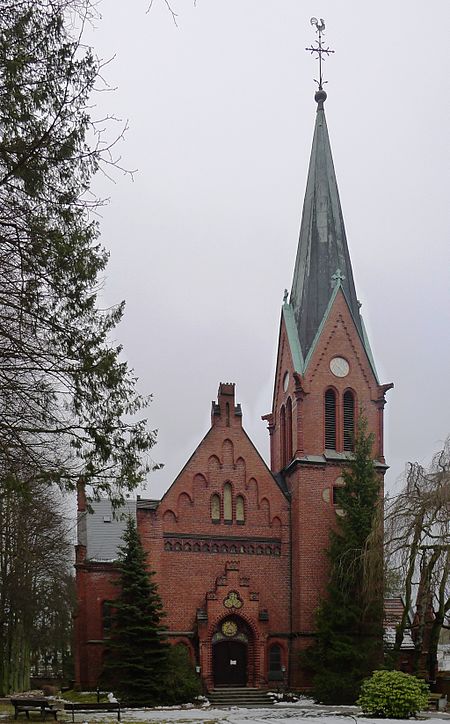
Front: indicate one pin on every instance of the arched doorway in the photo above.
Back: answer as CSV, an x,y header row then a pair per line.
x,y
231,650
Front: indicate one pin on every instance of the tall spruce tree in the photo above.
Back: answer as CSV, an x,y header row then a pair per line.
x,y
136,657
68,400
349,621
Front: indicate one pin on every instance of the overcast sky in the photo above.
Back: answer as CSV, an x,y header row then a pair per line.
x,y
203,241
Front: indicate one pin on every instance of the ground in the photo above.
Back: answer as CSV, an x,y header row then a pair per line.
x,y
297,713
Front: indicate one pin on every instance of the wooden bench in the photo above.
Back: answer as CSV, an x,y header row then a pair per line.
x,y
91,706
23,705
437,701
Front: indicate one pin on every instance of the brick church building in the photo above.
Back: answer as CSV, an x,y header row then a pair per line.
x,y
238,547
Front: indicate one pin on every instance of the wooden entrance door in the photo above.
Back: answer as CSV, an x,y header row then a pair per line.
x,y
230,663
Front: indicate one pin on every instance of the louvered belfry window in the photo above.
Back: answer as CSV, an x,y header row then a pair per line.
x,y
283,437
349,420
330,420
288,431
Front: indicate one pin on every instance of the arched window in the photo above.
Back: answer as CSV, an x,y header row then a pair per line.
x,y
240,510
349,420
215,508
275,670
330,420
337,489
288,431
227,504
106,618
283,436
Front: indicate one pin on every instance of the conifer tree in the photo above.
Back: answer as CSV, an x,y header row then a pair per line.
x,y
136,658
348,645
69,407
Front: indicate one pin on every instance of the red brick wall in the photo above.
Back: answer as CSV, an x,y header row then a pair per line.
x,y
255,563
339,338
95,585
198,561
225,455
311,483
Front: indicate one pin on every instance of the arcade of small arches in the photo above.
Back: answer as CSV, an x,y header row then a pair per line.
x,y
223,546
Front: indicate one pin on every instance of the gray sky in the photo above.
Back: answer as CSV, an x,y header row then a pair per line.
x,y
203,241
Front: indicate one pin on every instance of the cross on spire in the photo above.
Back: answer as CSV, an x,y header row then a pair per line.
x,y
337,277
319,49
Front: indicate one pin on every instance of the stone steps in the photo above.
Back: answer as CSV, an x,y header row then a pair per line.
x,y
239,696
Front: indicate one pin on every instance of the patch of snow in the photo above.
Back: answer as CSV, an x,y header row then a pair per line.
x,y
301,701
264,715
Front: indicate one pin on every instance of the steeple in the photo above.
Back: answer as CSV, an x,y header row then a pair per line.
x,y
323,260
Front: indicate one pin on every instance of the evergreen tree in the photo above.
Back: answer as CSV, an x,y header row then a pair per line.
x,y
67,398
349,621
182,682
136,658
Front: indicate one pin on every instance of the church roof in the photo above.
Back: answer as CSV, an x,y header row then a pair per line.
x,y
323,260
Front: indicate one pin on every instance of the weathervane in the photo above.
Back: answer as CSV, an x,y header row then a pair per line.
x,y
320,49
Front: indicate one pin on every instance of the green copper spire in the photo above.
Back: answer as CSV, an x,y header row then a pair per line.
x,y
323,260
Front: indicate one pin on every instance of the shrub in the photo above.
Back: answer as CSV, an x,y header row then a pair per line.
x,y
393,695
181,683
333,687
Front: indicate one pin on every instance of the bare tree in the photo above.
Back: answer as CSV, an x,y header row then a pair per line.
x,y
418,550
35,557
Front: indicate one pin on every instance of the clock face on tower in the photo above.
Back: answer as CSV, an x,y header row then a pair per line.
x,y
339,367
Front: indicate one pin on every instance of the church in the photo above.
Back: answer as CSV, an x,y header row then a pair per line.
x,y
237,546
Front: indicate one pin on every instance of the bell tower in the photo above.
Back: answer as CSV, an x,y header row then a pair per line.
x,y
325,377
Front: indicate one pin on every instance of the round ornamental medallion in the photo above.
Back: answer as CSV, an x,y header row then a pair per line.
x,y
339,367
229,628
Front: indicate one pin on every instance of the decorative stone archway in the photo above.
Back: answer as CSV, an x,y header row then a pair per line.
x,y
232,628
232,652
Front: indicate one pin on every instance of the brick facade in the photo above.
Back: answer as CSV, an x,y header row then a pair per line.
x,y
231,541
310,470
199,561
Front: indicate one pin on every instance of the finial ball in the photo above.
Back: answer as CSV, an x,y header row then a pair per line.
x,y
320,96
